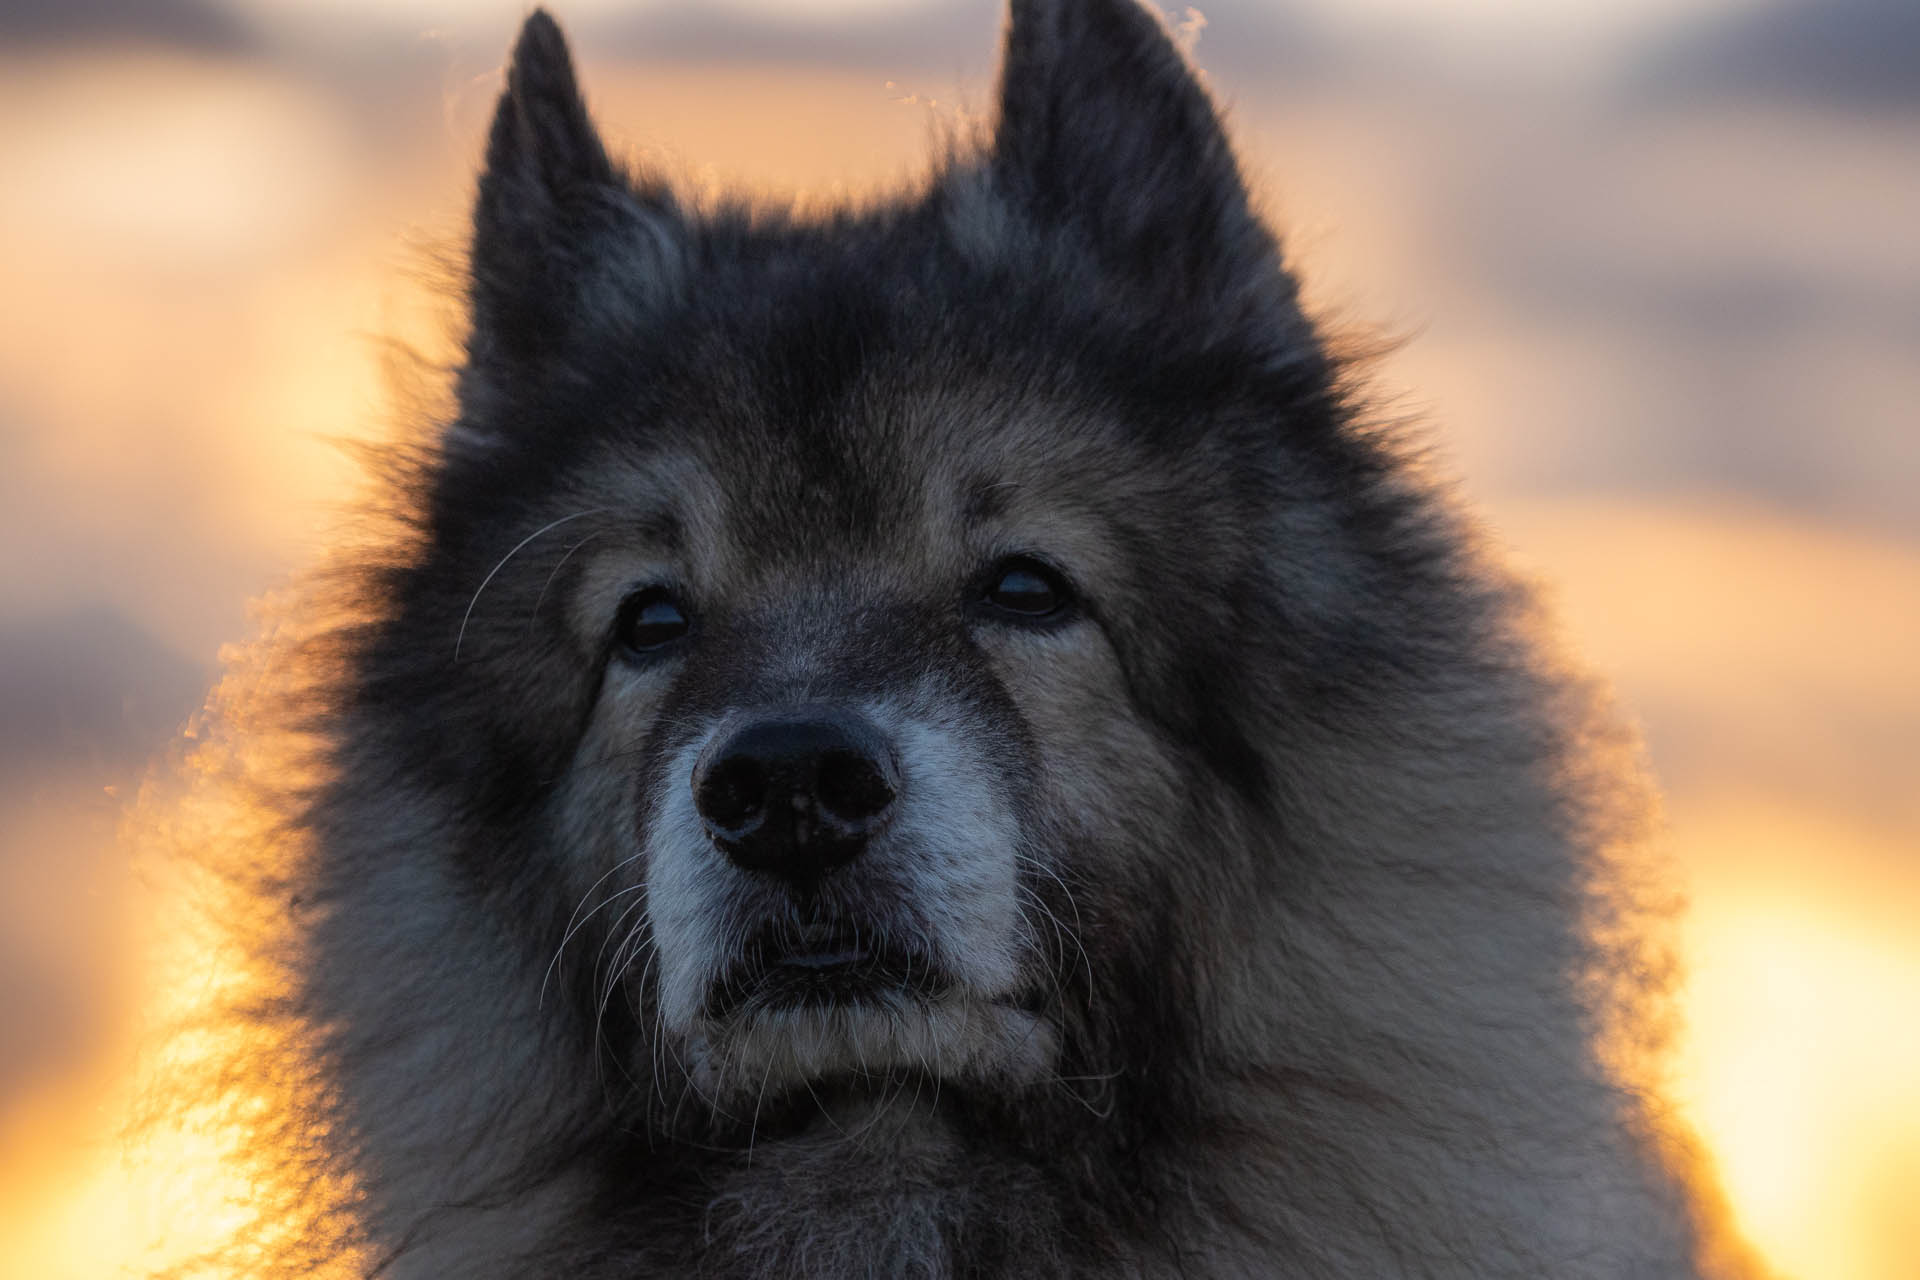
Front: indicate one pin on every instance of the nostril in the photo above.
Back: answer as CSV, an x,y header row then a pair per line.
x,y
733,794
796,792
850,786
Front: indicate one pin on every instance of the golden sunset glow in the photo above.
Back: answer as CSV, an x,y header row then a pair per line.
x,y
205,251
1799,1068
182,1186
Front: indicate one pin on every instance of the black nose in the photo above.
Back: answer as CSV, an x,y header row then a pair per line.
x,y
796,793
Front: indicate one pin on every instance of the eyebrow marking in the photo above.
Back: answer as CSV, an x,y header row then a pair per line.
x,y
989,501
663,527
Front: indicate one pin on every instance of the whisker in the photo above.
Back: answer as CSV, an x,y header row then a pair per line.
x,y
493,572
553,573
576,921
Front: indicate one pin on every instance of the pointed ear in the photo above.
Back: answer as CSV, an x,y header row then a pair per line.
x,y
558,234
1105,131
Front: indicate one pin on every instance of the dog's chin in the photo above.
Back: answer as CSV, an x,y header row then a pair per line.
x,y
848,1009
868,1040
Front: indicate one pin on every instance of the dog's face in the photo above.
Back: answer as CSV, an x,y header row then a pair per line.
x,y
854,620
864,748
839,807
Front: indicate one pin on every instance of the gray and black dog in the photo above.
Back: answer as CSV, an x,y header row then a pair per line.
x,y
935,740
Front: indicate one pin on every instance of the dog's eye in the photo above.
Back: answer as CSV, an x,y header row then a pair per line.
x,y
650,619
1026,588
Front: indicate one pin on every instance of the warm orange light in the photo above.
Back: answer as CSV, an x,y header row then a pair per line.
x,y
1804,1045
180,1187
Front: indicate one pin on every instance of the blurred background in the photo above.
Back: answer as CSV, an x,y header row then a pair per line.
x,y
1657,261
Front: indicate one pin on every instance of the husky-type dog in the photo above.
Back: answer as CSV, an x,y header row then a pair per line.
x,y
933,740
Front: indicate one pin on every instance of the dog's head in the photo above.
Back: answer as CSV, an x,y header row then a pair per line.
x,y
867,631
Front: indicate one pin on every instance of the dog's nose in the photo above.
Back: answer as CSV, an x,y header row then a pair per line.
x,y
796,793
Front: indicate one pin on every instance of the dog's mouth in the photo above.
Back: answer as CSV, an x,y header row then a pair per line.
x,y
820,965
844,1006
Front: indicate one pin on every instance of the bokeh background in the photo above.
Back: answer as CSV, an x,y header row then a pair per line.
x,y
1657,263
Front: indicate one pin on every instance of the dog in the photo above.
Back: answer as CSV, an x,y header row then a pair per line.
x,y
940,740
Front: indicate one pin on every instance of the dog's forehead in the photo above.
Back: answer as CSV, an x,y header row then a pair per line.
x,y
900,468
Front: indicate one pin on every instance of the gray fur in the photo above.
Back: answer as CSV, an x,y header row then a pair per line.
x,y
1285,892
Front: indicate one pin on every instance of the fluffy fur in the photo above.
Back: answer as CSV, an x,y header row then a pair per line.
x,y
1268,907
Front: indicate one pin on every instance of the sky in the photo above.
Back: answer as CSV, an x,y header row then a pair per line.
x,y
1651,264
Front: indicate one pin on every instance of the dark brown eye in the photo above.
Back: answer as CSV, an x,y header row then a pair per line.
x,y
650,619
1027,589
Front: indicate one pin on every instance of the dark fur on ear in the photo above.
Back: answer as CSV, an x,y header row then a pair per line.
x,y
550,203
1104,132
